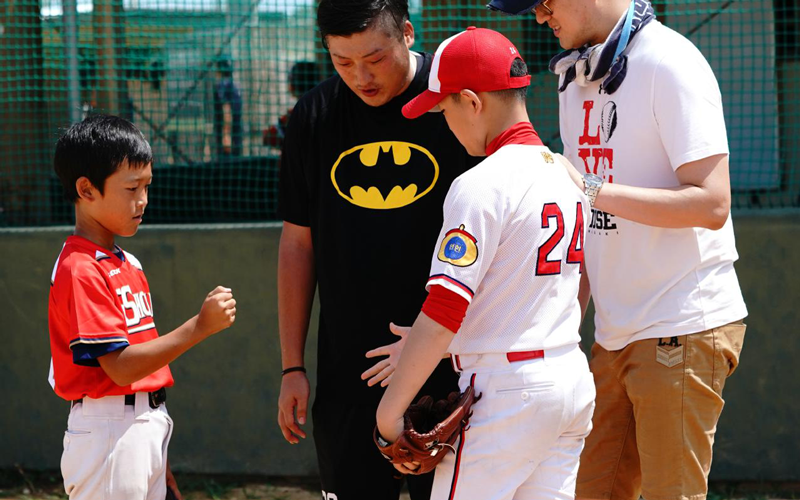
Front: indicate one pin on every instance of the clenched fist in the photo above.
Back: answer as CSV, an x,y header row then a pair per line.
x,y
218,311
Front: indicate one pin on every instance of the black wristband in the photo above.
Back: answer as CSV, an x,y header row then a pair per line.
x,y
293,369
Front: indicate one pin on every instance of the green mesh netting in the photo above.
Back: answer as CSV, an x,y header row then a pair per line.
x,y
209,82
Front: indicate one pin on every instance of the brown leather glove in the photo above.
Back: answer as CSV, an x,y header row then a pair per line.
x,y
430,430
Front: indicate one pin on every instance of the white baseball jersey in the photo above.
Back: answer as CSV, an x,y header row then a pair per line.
x,y
512,246
649,282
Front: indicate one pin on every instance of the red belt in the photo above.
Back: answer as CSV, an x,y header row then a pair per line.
x,y
511,356
524,355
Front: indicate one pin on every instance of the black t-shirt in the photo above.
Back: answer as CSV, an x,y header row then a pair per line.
x,y
370,184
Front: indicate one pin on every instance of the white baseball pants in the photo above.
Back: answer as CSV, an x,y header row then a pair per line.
x,y
116,452
526,434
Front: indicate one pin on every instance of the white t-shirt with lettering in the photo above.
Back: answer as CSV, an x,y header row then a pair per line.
x,y
649,282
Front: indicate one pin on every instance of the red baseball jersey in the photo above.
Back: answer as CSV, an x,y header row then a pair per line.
x,y
99,302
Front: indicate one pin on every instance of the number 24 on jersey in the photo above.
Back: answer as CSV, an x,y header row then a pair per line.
x,y
551,213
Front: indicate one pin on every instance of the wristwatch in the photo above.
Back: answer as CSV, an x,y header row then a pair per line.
x,y
591,186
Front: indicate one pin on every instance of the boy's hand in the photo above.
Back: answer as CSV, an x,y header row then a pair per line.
x,y
382,371
172,485
218,311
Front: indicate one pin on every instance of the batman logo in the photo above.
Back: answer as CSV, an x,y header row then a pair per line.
x,y
384,175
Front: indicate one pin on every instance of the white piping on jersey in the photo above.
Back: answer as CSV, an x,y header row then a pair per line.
x,y
51,376
55,266
141,328
133,260
87,340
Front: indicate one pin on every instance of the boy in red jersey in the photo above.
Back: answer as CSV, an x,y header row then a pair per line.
x,y
108,359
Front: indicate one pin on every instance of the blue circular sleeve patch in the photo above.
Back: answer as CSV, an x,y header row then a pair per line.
x,y
456,248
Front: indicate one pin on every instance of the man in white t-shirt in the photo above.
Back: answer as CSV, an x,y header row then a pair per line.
x,y
641,119
502,293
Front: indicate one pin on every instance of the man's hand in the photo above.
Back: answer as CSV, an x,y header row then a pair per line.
x,y
702,197
296,284
227,128
172,484
218,312
576,176
293,397
382,370
271,137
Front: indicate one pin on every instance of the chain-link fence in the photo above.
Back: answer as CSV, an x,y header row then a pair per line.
x,y
210,83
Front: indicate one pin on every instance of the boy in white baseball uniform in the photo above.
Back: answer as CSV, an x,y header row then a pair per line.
x,y
503,289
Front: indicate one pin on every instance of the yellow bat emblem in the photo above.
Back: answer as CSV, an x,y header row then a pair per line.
x,y
384,175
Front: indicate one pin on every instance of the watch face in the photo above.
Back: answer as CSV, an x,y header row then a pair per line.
x,y
593,178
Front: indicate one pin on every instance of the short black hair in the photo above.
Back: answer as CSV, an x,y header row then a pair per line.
x,y
95,148
518,68
304,76
225,67
347,17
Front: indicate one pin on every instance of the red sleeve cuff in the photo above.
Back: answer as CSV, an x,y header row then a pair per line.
x,y
445,307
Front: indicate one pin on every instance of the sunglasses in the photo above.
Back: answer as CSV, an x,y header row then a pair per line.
x,y
547,10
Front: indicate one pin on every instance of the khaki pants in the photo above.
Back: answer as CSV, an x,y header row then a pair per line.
x,y
116,452
658,402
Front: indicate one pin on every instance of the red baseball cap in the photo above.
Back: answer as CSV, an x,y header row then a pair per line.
x,y
477,59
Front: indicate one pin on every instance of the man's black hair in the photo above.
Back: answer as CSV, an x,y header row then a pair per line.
x,y
347,17
95,148
518,68
225,67
304,76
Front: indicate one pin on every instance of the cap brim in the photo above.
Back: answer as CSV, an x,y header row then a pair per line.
x,y
421,104
513,7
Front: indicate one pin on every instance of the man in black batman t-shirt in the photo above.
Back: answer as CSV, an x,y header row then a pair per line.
x,y
361,197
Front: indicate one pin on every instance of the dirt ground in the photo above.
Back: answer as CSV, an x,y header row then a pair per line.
x,y
249,492
47,487
24,485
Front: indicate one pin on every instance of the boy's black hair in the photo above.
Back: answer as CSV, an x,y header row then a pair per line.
x,y
304,76
518,68
347,17
95,148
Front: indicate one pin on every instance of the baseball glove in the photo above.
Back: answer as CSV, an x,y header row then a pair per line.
x,y
430,430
